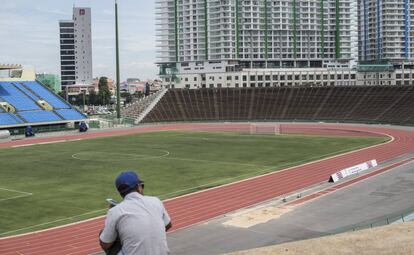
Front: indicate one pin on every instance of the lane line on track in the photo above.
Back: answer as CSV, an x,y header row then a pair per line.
x,y
51,222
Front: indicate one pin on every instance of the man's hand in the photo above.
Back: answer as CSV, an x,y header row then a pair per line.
x,y
168,226
105,246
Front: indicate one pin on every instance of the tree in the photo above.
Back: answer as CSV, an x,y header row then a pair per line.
x,y
104,94
93,97
62,94
49,84
80,99
49,80
147,89
127,96
138,94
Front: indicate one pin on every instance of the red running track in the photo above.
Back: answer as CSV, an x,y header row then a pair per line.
x,y
81,238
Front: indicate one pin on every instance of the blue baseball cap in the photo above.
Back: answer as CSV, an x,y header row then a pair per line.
x,y
127,181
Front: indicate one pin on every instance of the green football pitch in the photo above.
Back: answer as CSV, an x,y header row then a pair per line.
x,y
54,184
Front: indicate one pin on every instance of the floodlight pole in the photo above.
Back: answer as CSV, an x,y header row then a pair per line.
x,y
84,100
118,96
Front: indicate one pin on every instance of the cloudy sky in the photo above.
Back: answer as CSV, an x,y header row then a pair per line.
x,y
29,35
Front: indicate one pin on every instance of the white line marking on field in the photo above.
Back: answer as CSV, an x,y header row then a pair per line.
x,y
60,141
31,144
23,145
17,191
214,161
15,197
22,194
134,156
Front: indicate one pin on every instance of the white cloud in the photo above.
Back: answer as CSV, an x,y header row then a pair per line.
x,y
108,12
138,44
54,11
8,5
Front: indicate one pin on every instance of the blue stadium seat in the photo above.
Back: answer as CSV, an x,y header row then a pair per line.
x,y
70,114
26,91
9,119
47,95
23,96
15,97
39,116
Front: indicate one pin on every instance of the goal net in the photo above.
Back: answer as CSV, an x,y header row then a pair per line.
x,y
264,128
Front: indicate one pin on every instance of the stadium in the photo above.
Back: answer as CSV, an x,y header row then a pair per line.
x,y
208,153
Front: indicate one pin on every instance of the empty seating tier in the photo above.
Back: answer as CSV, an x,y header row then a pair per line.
x,y
11,94
370,104
9,119
26,91
45,94
29,102
39,116
70,114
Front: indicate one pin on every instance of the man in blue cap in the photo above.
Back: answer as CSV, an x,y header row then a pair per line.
x,y
140,222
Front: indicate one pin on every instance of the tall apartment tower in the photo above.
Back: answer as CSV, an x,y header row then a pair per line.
x,y
76,48
196,36
385,31
354,32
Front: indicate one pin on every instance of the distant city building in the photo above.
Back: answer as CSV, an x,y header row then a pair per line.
x,y
157,85
133,80
386,47
76,49
133,85
354,32
199,36
385,31
50,80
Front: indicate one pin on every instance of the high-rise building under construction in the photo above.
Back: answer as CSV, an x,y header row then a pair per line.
x,y
225,35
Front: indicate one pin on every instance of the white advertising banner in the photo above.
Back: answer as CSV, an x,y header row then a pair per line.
x,y
353,170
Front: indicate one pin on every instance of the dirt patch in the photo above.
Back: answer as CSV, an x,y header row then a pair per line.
x,y
257,216
394,239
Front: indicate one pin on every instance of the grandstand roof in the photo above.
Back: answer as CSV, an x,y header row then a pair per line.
x,y
10,66
26,74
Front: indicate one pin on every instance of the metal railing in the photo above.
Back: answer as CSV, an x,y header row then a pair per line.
x,y
110,121
42,129
400,217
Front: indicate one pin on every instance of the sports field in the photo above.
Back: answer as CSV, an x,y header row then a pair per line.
x,y
53,184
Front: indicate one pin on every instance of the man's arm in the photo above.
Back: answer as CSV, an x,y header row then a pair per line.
x,y
165,217
108,235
